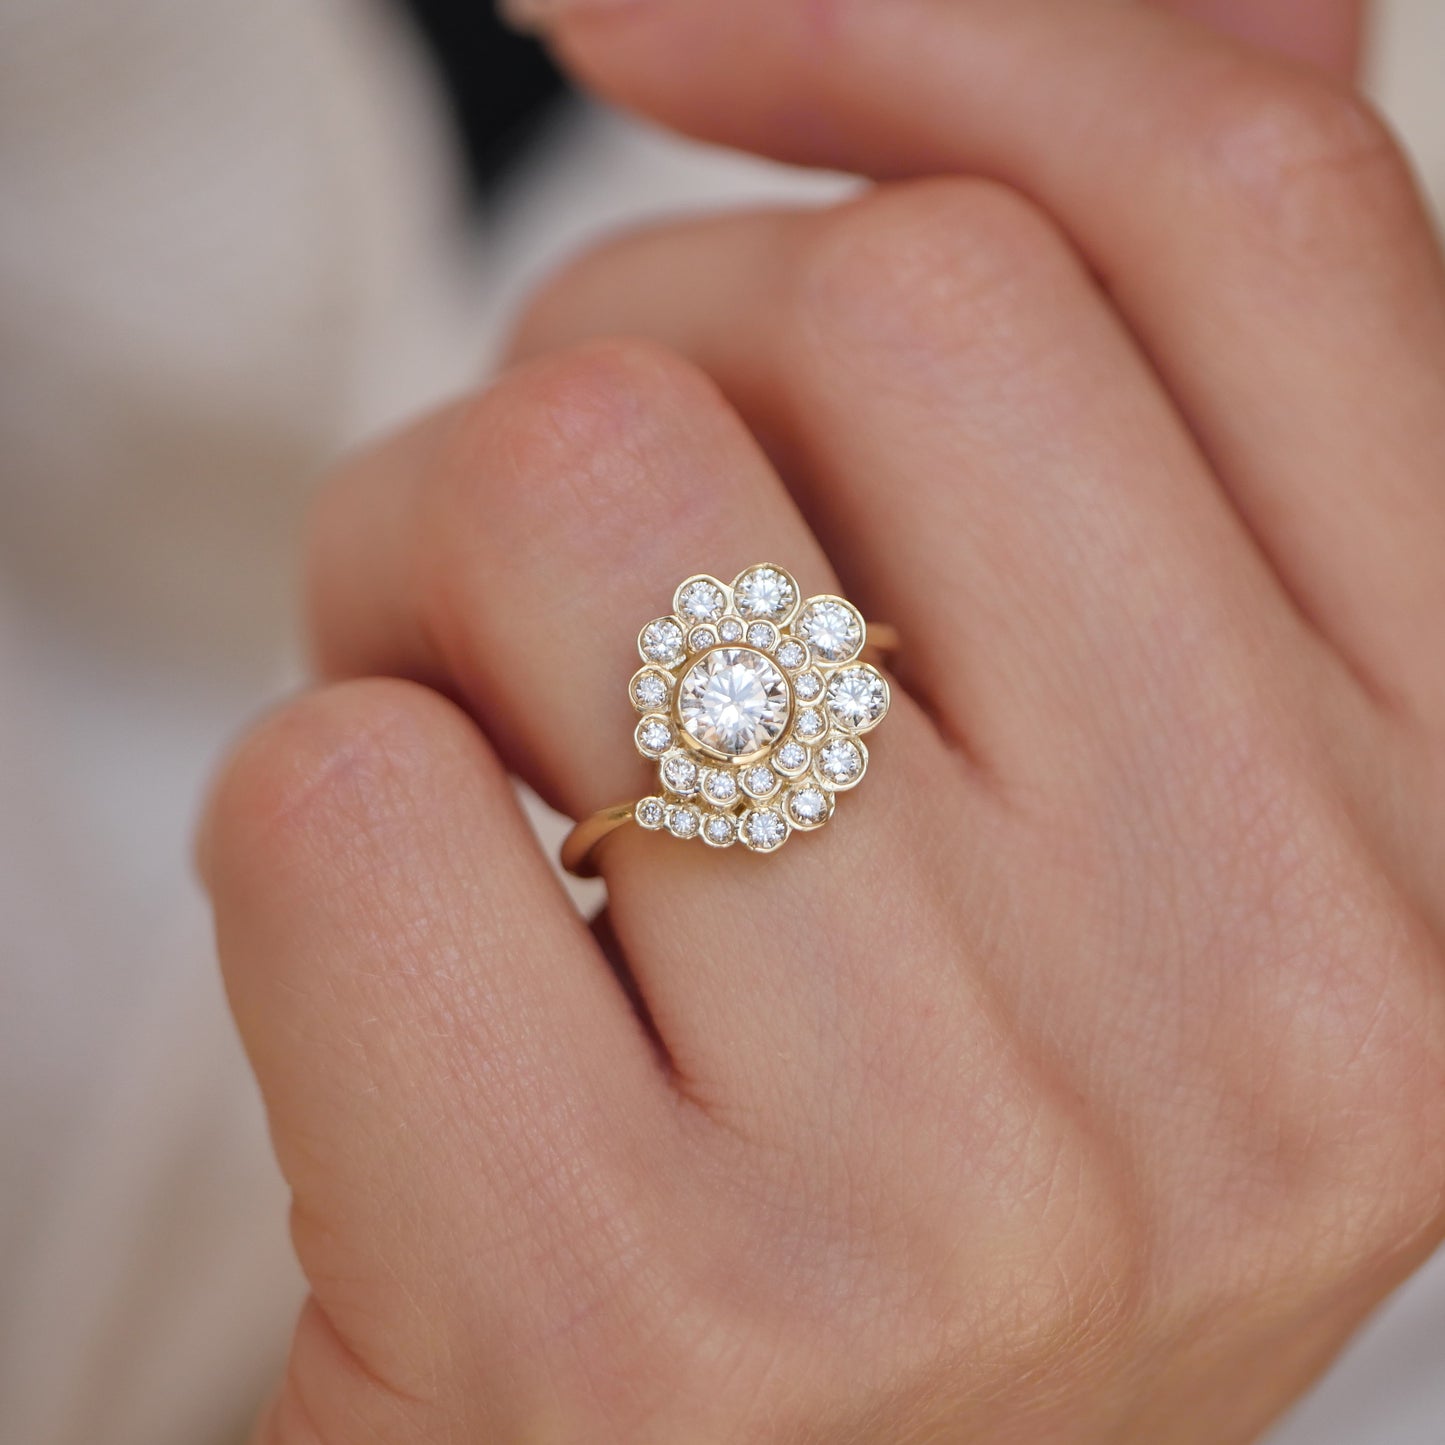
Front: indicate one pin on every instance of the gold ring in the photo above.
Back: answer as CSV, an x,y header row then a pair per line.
x,y
754,702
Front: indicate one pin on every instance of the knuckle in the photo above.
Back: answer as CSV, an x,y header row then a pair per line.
x,y
570,440
318,768
926,267
1306,161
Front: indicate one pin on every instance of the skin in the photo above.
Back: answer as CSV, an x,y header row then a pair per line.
x,y
1084,1081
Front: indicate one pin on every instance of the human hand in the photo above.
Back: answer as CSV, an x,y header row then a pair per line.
x,y
1085,1081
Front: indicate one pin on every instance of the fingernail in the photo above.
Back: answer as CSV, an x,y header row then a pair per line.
x,y
539,14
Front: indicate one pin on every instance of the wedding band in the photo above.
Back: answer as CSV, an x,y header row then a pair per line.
x,y
753,701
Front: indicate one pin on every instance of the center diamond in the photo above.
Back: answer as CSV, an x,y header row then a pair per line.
x,y
734,703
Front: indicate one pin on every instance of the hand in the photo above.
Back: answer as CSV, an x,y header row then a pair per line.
x,y
1085,1082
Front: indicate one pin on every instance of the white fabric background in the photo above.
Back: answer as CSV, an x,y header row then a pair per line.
x,y
224,254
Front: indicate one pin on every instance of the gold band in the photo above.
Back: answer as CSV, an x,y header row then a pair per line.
x,y
579,848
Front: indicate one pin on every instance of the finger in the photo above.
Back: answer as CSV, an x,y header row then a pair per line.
x,y
1324,33
1258,229
982,449
433,1029
511,549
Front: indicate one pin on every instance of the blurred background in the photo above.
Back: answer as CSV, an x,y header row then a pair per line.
x,y
234,241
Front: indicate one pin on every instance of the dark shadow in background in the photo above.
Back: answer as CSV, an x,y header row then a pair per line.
x,y
500,86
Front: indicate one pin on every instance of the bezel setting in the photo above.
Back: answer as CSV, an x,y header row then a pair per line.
x,y
751,703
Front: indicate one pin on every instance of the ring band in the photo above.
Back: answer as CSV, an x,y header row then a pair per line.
x,y
754,701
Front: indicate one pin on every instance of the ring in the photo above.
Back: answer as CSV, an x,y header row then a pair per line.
x,y
754,702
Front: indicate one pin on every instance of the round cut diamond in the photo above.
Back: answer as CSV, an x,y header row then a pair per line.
x,y
760,781
857,697
832,629
649,691
730,629
653,735
650,813
720,831
841,763
701,601
792,654
662,641
720,787
792,757
734,702
808,806
764,592
764,829
807,685
700,638
810,723
762,635
680,774
683,821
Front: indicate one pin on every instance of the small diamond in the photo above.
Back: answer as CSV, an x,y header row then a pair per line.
x,y
841,763
680,774
807,685
763,635
792,654
720,831
682,821
649,691
650,813
701,601
760,781
701,637
730,630
808,806
765,592
832,629
653,735
720,787
857,697
810,723
764,829
662,641
792,757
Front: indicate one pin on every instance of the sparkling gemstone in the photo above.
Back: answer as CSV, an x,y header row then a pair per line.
x,y
762,634
840,762
654,735
734,702
857,697
760,781
730,629
792,757
649,690
701,602
808,805
682,821
809,724
650,813
764,829
662,641
720,787
764,592
832,629
701,637
720,831
792,654
680,774
807,685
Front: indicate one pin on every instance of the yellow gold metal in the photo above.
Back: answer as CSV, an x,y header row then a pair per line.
x,y
579,854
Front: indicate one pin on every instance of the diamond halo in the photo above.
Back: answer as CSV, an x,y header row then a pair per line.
x,y
753,700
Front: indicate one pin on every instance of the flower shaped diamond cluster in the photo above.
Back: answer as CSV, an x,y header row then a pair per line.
x,y
753,705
